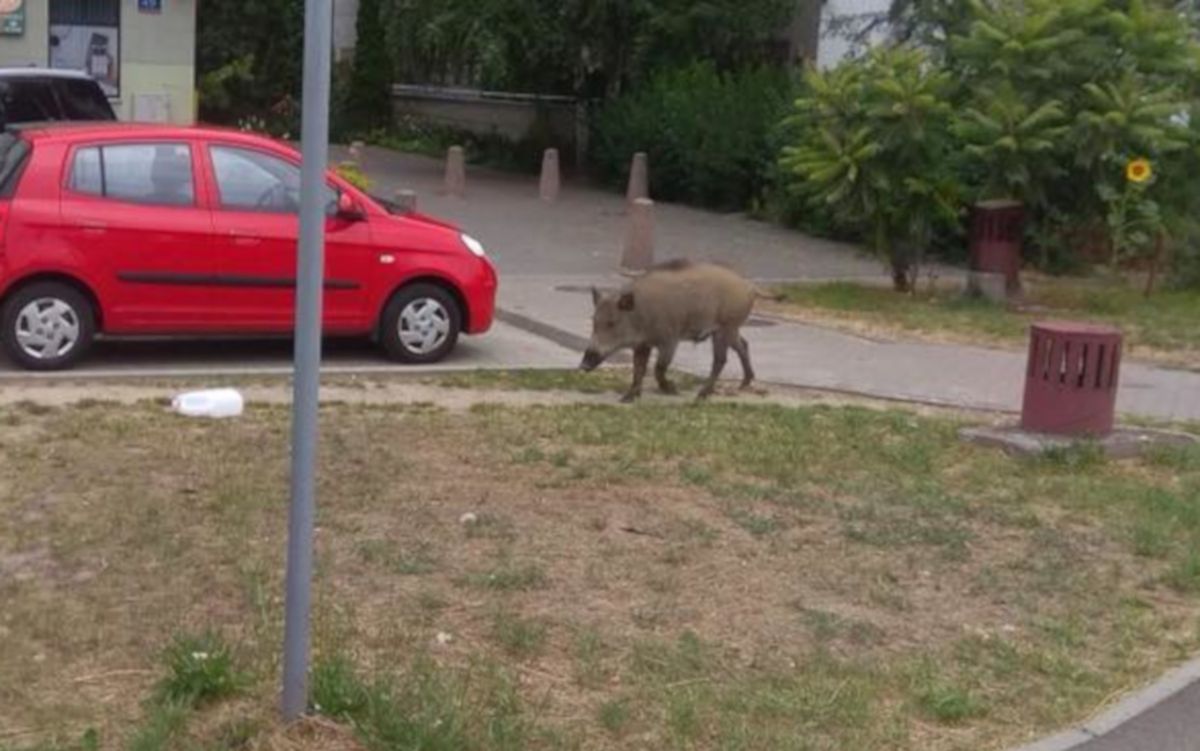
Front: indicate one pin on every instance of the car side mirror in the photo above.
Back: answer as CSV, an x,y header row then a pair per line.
x,y
348,209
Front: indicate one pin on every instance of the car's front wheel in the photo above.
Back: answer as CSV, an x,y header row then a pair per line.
x,y
420,324
48,326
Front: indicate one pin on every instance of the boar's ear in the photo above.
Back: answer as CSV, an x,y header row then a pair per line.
x,y
595,297
626,302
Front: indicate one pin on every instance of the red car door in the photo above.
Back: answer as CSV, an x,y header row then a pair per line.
x,y
256,198
133,212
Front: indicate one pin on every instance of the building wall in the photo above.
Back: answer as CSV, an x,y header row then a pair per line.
x,y
841,20
345,31
33,47
158,57
804,32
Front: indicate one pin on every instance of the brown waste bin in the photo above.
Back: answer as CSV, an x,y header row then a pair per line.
x,y
997,229
1071,379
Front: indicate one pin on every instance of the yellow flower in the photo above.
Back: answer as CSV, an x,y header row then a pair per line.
x,y
1139,171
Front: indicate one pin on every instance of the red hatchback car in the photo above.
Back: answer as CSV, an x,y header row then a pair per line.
x,y
118,229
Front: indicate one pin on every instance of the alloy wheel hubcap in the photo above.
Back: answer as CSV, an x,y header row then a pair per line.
x,y
424,325
47,328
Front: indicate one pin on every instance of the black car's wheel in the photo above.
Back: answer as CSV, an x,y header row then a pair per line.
x,y
420,324
48,326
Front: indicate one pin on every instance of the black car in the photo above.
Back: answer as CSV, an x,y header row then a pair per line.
x,y
37,95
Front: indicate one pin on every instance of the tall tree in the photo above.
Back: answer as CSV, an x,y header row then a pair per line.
x,y
369,101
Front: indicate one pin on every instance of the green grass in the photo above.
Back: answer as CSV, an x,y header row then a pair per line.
x,y
200,670
597,382
1164,323
614,715
509,576
418,561
426,707
521,638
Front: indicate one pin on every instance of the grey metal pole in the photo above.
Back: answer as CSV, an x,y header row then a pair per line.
x,y
307,379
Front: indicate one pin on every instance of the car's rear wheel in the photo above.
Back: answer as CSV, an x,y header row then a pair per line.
x,y
48,326
420,324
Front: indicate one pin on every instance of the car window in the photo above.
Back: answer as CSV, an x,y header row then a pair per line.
x,y
83,100
14,154
158,174
86,176
249,180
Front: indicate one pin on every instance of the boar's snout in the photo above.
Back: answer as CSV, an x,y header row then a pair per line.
x,y
591,360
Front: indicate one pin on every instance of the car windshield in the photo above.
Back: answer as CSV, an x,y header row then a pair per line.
x,y
83,100
27,100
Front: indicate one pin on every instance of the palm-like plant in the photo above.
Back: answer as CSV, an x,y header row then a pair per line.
x,y
1127,116
1012,143
873,151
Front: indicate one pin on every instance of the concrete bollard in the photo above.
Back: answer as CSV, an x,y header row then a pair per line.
x,y
406,201
356,152
551,178
638,253
456,172
639,178
992,287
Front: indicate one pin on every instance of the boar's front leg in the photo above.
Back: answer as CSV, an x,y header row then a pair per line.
x,y
641,358
666,353
720,353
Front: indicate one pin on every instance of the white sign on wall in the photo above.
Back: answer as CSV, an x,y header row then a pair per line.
x,y
94,50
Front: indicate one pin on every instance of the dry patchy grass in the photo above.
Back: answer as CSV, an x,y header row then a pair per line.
x,y
722,576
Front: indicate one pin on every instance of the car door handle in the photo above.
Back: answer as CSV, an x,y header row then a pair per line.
x,y
244,238
93,227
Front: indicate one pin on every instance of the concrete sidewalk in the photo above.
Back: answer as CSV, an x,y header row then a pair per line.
x,y
581,234
549,254
809,356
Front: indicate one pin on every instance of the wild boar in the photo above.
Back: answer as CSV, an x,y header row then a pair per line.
x,y
675,301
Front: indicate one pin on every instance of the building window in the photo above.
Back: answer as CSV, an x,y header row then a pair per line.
x,y
85,35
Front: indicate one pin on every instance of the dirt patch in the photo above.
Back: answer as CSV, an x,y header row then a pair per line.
x,y
392,392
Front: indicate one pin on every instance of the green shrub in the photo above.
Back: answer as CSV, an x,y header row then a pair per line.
x,y
872,148
707,134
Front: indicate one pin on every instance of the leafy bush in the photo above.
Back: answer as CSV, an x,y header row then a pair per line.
x,y
248,61
1050,102
873,150
592,48
707,134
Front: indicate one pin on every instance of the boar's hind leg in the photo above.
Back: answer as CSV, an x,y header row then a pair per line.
x,y
666,353
721,342
742,347
641,358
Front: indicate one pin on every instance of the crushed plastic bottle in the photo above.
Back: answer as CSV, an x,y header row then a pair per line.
x,y
209,403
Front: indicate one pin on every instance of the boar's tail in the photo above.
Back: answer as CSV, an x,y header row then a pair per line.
x,y
765,295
